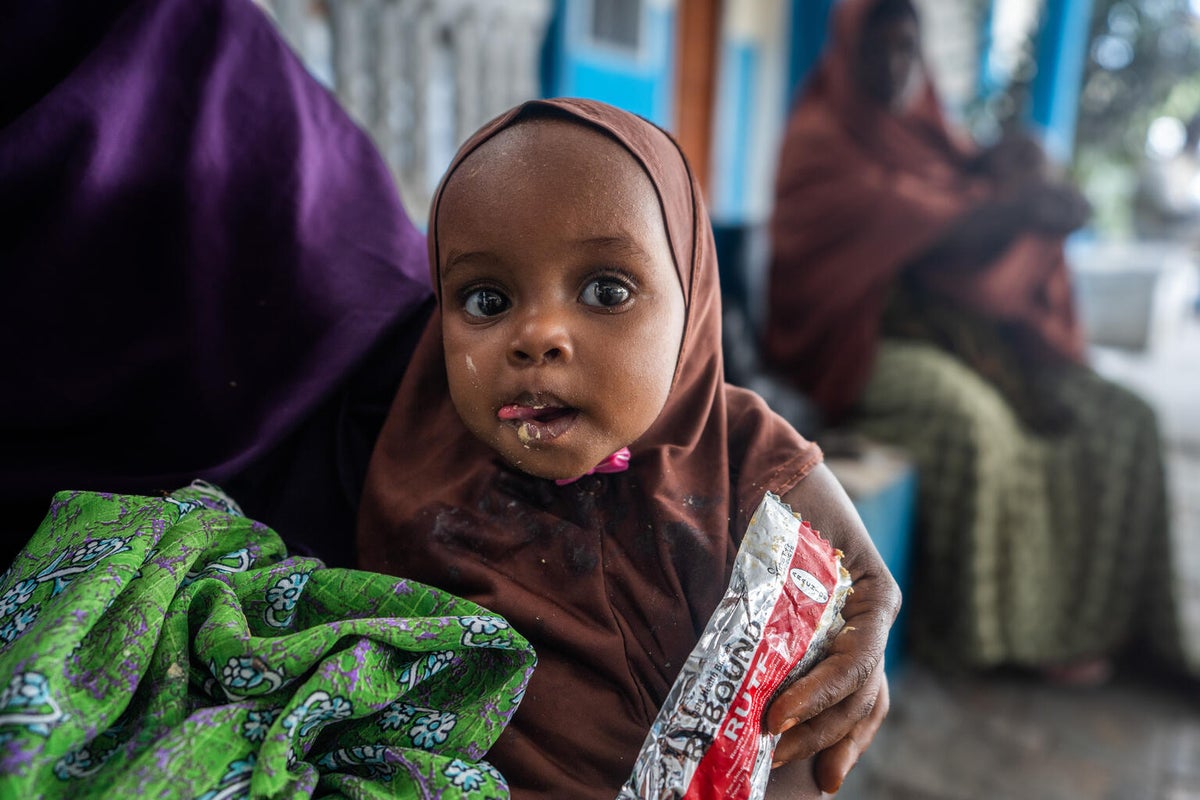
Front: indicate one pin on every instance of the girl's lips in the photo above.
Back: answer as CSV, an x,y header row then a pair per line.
x,y
538,422
522,412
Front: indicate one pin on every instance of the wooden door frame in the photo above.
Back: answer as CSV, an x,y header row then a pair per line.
x,y
698,29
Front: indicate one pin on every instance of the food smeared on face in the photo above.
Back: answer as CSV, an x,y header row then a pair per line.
x,y
562,307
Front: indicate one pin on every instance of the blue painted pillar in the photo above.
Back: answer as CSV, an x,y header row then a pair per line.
x,y
809,27
552,56
1062,51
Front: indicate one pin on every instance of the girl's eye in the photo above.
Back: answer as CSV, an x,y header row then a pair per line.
x,y
605,292
485,303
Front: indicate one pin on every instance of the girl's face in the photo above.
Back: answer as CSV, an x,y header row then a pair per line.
x,y
562,309
890,61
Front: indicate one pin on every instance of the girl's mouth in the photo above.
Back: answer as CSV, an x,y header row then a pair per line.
x,y
538,422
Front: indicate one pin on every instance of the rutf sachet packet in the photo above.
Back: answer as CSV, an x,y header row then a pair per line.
x,y
781,610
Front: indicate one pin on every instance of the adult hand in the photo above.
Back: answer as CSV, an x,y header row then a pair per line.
x,y
835,710
1016,157
1056,208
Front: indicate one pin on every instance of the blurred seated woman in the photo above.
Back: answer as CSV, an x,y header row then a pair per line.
x,y
918,293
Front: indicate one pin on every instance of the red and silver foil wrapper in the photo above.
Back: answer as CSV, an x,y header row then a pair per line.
x,y
781,610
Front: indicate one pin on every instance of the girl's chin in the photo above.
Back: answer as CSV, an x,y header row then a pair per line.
x,y
551,466
568,457
539,469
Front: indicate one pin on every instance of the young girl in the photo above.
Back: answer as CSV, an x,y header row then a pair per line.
x,y
564,450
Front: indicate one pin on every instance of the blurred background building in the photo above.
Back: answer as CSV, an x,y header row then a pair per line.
x,y
1111,86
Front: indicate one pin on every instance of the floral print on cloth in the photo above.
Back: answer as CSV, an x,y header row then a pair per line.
x,y
169,647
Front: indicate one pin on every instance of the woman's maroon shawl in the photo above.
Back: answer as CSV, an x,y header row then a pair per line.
x,y
861,194
612,577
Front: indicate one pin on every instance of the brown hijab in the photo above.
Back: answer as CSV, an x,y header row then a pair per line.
x,y
862,193
611,577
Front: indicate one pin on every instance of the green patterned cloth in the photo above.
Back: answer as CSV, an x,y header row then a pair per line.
x,y
169,647
1033,548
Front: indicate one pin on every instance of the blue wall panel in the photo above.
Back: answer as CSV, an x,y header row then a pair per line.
x,y
642,82
740,69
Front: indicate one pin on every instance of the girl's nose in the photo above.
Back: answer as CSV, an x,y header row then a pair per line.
x,y
542,338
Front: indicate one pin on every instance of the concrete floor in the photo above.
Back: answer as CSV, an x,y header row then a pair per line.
x,y
1010,737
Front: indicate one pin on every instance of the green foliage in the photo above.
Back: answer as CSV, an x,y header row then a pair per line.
x,y
1162,74
1143,63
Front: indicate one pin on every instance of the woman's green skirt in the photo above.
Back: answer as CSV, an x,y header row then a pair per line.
x,y
1033,548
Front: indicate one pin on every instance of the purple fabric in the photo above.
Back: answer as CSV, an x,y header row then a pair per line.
x,y
199,245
